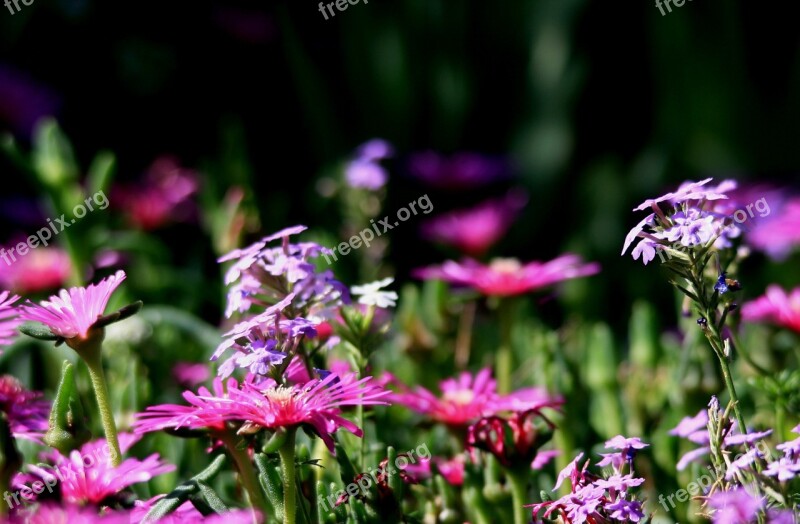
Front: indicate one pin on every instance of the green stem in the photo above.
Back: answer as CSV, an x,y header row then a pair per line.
x,y
519,495
505,355
96,374
286,453
246,471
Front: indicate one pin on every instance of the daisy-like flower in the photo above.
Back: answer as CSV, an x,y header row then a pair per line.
x,y
373,294
776,306
468,398
315,404
9,318
204,411
778,235
87,476
73,312
41,269
49,513
25,410
473,231
507,277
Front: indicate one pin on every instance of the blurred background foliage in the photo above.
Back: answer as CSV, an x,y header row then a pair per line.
x,y
594,106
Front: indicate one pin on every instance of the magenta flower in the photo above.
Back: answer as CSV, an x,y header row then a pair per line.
x,y
27,414
50,513
164,196
9,318
468,398
315,404
43,268
73,312
507,277
776,307
190,373
473,231
204,411
87,476
778,234
459,171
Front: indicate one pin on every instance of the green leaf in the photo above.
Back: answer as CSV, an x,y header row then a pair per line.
x,y
38,331
211,497
183,491
68,428
53,157
101,171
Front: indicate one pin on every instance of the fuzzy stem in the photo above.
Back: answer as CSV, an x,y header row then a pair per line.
x,y
246,471
519,494
286,453
98,378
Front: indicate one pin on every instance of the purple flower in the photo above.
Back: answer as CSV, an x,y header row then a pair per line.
x,y
622,443
625,510
688,191
784,469
460,171
734,507
364,171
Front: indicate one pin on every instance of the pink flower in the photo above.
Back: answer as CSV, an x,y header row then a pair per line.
x,y
190,373
203,412
87,476
451,469
779,234
506,277
468,398
50,513
9,318
316,404
186,512
474,231
41,269
27,415
776,306
72,312
163,197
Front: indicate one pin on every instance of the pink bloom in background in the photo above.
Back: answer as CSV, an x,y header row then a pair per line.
x,y
203,412
190,374
468,398
459,171
473,231
87,476
507,277
41,269
50,513
776,306
27,414
778,234
186,512
9,318
72,312
162,198
451,469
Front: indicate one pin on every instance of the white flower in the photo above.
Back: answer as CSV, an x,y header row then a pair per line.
x,y
373,295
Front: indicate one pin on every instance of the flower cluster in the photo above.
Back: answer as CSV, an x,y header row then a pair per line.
x,y
594,498
692,219
291,297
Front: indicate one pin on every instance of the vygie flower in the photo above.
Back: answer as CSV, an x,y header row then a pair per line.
x,y
316,403
776,306
474,231
468,398
9,318
73,312
506,277
87,476
42,268
461,170
163,197
27,414
779,234
514,440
